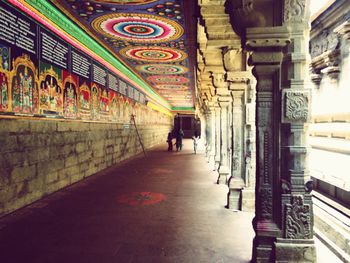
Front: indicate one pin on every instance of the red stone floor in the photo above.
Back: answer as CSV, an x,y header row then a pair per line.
x,y
164,207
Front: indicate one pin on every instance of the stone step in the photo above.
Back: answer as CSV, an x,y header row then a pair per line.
x,y
332,227
331,246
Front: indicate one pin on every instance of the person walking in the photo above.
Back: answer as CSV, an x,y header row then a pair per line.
x,y
195,139
179,136
170,142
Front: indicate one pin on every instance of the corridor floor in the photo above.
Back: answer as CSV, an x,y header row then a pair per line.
x,y
164,207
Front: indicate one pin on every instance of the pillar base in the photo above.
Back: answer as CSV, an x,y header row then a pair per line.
x,y
223,174
295,250
262,254
263,244
211,160
234,199
216,165
248,200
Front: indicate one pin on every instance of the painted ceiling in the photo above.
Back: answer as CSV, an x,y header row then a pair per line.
x,y
152,37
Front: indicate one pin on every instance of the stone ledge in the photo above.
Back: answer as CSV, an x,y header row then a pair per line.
x,y
332,228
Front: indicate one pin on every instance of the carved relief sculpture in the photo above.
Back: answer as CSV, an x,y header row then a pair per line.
x,y
298,221
296,106
294,10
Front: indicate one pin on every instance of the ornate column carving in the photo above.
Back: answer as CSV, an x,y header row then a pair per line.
x,y
217,133
212,142
267,56
296,241
224,170
207,116
236,182
224,99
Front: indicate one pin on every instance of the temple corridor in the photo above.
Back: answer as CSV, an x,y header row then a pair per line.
x,y
100,220
165,207
87,86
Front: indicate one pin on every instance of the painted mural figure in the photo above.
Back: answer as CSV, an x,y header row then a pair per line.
x,y
3,92
56,98
26,87
52,96
4,55
114,109
70,100
84,107
16,95
104,107
94,102
84,99
44,96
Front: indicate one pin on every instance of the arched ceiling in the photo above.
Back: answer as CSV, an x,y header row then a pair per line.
x,y
154,38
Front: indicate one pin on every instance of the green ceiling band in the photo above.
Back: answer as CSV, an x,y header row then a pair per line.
x,y
182,108
54,15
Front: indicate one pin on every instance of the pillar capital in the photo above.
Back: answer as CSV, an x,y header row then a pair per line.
x,y
219,80
237,96
268,38
234,59
238,76
224,101
344,30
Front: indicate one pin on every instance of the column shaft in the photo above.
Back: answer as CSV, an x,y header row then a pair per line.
x,y
224,149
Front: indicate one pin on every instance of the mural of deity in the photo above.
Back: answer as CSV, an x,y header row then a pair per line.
x,y
16,95
125,111
24,94
50,94
4,99
94,102
114,110
104,102
70,100
84,97
4,57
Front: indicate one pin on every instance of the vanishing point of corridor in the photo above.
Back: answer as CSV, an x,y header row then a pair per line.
x,y
164,207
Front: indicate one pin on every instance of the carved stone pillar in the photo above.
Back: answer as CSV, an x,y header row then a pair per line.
x,y
296,242
236,182
224,170
217,133
248,193
224,99
207,131
267,55
212,140
241,192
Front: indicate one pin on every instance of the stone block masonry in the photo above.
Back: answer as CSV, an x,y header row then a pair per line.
x,y
39,157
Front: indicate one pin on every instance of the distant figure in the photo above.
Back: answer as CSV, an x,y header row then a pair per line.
x,y
195,139
179,136
170,142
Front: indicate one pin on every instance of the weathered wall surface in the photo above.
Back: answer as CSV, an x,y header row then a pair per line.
x,y
330,128
38,157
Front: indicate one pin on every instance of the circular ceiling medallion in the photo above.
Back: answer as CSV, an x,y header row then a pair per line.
x,y
168,79
141,198
137,27
162,69
126,2
154,54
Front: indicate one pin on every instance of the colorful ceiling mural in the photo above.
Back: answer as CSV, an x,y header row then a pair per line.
x,y
151,37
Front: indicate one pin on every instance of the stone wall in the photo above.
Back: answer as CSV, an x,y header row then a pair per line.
x,y
329,132
38,157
